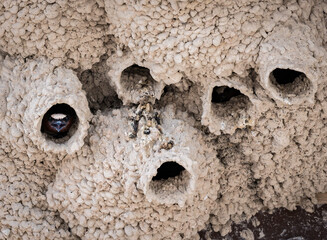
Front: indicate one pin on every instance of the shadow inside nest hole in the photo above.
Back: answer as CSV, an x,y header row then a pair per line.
x,y
185,96
290,82
100,94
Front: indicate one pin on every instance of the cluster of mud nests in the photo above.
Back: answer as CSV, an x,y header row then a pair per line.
x,y
163,119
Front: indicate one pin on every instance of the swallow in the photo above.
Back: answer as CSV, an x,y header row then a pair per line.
x,y
58,121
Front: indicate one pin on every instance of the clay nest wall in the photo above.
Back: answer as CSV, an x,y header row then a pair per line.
x,y
154,119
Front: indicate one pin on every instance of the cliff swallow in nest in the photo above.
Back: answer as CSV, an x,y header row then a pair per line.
x,y
58,120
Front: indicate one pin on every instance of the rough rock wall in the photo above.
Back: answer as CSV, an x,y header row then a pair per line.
x,y
188,113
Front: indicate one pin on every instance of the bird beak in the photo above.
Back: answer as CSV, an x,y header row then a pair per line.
x,y
58,125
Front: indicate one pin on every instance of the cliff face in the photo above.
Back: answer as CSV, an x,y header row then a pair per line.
x,y
153,119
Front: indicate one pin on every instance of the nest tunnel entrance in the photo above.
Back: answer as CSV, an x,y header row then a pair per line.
x,y
285,76
138,82
224,94
171,180
59,123
289,81
168,170
136,69
228,101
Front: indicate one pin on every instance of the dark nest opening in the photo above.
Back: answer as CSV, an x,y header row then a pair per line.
x,y
285,76
223,94
228,102
171,181
168,170
289,82
139,83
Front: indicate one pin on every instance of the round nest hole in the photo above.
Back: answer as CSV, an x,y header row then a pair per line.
x,y
171,178
226,101
59,123
224,94
289,82
168,170
138,82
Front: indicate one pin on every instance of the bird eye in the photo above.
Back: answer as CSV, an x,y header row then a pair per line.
x,y
59,123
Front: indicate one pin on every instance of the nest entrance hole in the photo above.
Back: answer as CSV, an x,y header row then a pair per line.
x,y
136,76
59,123
227,102
171,181
289,82
285,76
168,170
223,94
139,83
136,69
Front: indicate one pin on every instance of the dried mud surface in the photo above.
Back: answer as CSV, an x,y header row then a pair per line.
x,y
162,147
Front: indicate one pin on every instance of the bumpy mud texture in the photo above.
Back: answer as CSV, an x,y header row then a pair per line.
x,y
222,115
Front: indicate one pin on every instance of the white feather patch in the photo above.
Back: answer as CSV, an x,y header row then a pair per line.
x,y
58,116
